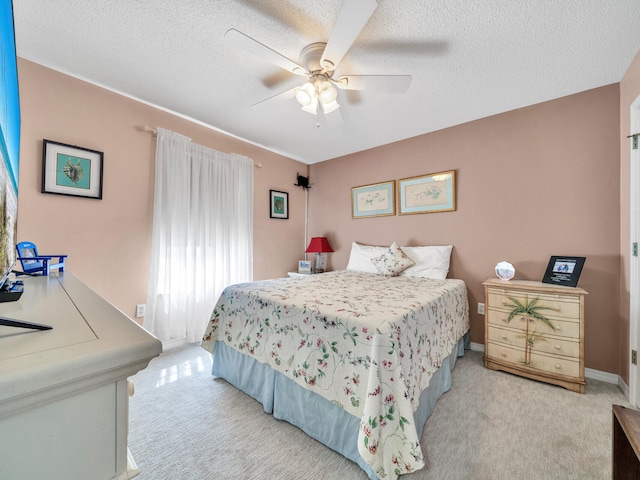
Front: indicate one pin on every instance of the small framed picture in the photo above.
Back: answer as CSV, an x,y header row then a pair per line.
x,y
304,266
278,204
431,193
71,170
564,271
376,200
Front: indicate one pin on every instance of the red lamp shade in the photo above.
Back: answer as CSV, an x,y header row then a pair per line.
x,y
319,245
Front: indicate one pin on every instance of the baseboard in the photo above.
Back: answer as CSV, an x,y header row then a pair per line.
x,y
588,372
624,387
602,376
173,343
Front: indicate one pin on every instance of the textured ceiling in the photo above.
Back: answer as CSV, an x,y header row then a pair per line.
x,y
469,59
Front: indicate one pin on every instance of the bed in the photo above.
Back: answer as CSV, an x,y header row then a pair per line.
x,y
355,359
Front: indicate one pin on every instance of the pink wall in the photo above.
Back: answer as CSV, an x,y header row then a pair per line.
x,y
531,183
109,240
629,91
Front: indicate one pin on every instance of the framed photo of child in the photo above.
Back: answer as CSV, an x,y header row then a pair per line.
x,y
304,266
564,270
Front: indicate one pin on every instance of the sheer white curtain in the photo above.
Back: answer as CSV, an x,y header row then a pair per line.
x,y
202,234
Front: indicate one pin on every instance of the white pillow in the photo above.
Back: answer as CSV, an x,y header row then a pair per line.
x,y
430,262
392,262
361,255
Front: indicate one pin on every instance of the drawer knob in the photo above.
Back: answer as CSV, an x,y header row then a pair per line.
x,y
504,337
504,355
558,347
558,366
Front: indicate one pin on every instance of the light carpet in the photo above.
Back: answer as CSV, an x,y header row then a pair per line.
x,y
186,425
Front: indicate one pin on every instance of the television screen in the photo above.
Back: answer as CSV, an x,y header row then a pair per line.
x,y
9,139
9,162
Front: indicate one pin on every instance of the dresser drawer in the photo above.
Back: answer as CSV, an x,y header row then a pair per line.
x,y
541,362
549,344
563,306
563,327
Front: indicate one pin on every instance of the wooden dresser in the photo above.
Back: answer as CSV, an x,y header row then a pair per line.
x,y
543,339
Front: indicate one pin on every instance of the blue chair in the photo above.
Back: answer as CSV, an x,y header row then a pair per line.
x,y
34,264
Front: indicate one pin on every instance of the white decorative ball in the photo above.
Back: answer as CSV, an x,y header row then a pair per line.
x,y
505,271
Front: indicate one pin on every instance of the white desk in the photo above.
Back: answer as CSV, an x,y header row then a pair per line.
x,y
63,392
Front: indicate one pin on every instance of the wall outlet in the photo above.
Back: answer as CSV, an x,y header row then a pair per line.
x,y
481,308
140,310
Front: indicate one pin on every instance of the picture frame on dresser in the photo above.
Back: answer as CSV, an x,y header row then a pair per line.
x,y
304,266
563,270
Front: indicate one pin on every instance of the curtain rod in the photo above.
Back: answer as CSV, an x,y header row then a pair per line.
x,y
145,128
154,132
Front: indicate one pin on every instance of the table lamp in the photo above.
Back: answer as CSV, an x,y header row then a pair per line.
x,y
319,246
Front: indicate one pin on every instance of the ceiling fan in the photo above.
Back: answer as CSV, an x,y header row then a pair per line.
x,y
319,62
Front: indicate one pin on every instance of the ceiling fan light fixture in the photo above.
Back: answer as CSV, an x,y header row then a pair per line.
x,y
327,93
330,107
312,107
318,90
306,94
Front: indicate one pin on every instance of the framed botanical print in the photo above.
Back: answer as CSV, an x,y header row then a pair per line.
x,y
375,200
431,193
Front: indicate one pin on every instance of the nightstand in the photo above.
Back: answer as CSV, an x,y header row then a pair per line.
x,y
298,275
548,343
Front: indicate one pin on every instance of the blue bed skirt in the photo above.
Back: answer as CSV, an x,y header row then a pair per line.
x,y
313,414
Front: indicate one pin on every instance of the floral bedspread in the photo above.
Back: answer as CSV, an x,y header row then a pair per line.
x,y
367,343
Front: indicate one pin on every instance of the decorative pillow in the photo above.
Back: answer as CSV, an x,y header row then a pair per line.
x,y
361,255
393,261
430,261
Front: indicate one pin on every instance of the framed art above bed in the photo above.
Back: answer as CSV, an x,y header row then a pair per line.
x,y
435,192
375,200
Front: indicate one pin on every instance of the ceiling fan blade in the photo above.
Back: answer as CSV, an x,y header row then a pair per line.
x,y
378,83
245,42
286,95
351,20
